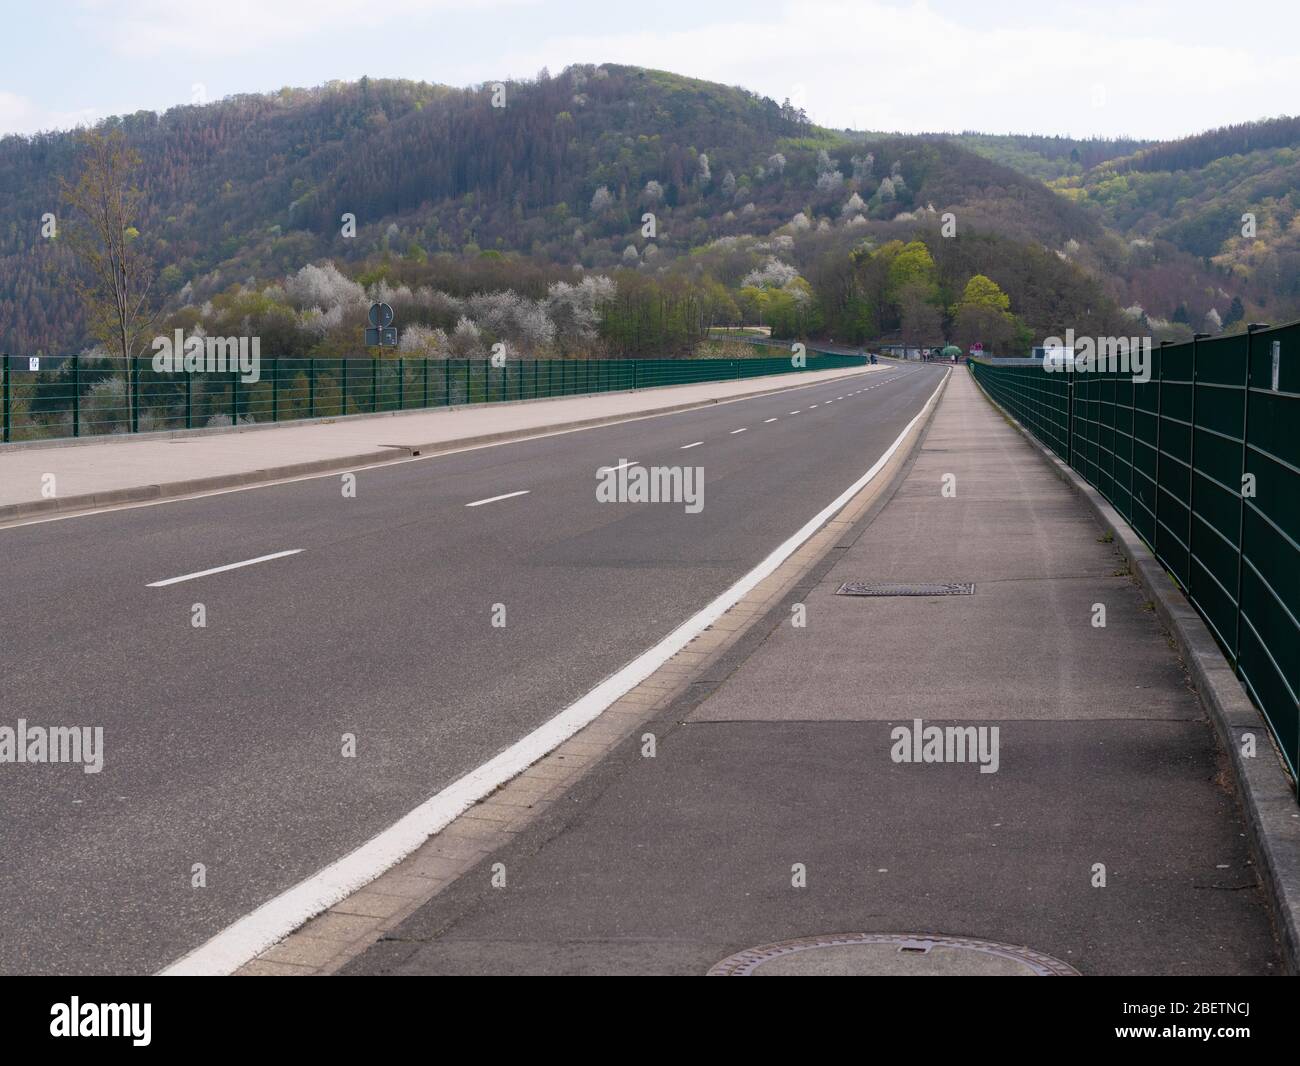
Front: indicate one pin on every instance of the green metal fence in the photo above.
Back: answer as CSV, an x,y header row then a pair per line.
x,y
1203,461
73,397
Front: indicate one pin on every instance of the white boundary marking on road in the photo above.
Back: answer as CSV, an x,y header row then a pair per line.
x,y
767,420
503,496
619,466
275,919
741,430
221,569
695,445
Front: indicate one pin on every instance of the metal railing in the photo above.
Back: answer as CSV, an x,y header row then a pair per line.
x,y
1203,461
74,397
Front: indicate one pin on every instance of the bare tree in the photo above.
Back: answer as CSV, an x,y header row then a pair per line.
x,y
116,272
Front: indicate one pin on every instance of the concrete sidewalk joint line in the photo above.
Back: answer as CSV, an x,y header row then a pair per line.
x,y
323,945
1264,788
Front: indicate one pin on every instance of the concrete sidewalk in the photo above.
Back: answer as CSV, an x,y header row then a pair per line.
x,y
782,756
120,469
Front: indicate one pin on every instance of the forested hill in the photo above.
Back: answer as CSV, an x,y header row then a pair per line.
x,y
1041,156
1229,197
557,175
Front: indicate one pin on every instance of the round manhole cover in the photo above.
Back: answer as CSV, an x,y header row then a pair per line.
x,y
890,954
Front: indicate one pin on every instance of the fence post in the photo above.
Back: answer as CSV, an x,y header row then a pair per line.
x,y
343,363
133,376
401,383
1251,329
425,402
311,388
275,389
76,395
1155,502
189,401
1191,466
4,396
374,384
234,398
1069,419
1132,449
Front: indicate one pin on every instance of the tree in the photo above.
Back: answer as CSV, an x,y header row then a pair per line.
x,y
921,320
983,314
983,291
116,272
752,302
912,263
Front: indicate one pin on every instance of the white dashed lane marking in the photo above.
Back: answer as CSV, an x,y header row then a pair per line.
x,y
221,569
503,496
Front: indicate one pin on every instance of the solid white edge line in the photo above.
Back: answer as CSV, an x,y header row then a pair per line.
x,y
278,917
220,569
503,496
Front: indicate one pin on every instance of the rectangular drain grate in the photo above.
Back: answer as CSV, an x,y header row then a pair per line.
x,y
906,588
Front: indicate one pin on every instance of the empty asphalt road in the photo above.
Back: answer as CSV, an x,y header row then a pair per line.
x,y
223,744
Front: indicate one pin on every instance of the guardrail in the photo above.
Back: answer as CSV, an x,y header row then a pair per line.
x,y
1203,461
73,397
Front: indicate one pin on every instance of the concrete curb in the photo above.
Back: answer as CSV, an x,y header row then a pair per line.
x,y
93,501
1264,787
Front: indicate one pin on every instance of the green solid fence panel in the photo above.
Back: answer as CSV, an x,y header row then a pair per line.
x,y
1203,461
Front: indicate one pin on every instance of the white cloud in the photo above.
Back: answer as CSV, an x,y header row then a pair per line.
x,y
1165,69
147,28
18,114
909,67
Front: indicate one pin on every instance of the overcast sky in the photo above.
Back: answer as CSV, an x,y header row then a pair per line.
x,y
1146,68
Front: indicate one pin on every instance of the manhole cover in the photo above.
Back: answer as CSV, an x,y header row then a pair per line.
x,y
906,588
890,954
